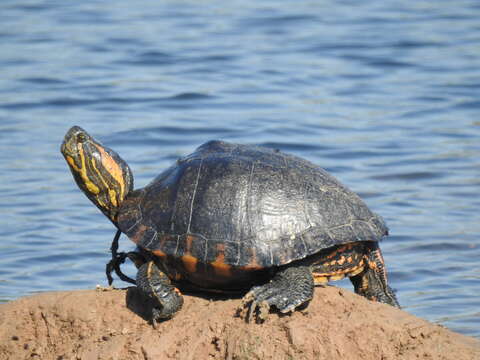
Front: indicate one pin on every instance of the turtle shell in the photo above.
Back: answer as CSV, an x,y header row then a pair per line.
x,y
245,207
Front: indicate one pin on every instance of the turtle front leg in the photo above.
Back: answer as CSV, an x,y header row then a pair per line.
x,y
117,260
156,287
372,282
290,287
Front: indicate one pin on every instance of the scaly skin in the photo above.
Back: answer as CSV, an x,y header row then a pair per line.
x,y
293,285
290,287
155,285
372,282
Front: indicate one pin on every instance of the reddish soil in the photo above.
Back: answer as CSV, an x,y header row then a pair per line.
x,y
94,324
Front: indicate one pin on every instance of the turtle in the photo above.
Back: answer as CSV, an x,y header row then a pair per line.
x,y
234,218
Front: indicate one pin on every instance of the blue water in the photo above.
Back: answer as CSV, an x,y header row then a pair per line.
x,y
385,96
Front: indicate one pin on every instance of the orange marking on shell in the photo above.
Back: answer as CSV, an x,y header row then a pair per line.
x,y
341,261
252,267
219,266
190,263
139,233
188,240
159,253
253,264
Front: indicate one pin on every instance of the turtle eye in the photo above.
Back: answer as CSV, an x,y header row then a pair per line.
x,y
81,138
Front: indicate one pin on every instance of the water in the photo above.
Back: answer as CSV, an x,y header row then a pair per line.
x,y
383,95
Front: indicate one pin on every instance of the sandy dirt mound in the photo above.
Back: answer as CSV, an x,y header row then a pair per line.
x,y
93,324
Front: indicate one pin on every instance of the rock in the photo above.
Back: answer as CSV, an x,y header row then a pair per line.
x,y
337,324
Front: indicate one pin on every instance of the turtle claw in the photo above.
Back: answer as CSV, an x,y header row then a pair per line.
x,y
290,288
289,309
260,299
261,309
114,265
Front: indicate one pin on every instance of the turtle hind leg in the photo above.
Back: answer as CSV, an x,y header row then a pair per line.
x,y
156,287
372,281
290,287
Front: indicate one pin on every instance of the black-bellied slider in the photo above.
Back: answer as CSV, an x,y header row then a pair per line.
x,y
235,217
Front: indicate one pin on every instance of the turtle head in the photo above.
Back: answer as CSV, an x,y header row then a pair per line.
x,y
99,172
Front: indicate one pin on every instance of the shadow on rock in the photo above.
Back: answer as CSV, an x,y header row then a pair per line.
x,y
137,304
143,306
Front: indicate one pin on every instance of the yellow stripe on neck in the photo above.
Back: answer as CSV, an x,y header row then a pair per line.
x,y
83,173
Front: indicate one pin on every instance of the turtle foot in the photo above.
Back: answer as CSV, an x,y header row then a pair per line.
x,y
372,282
169,305
290,288
158,291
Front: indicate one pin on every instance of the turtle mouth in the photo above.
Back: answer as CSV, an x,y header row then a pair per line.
x,y
65,150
